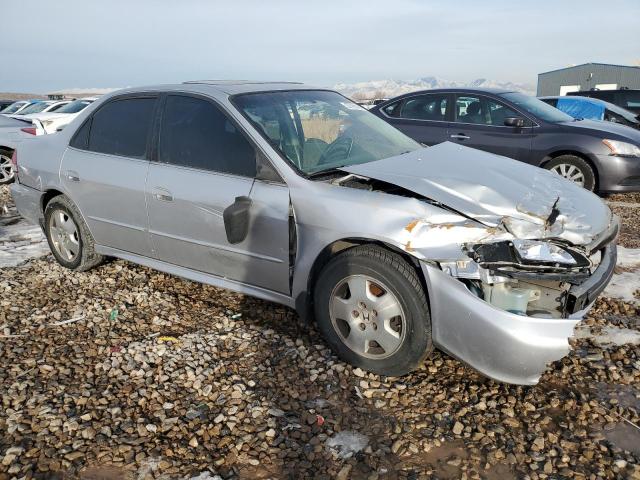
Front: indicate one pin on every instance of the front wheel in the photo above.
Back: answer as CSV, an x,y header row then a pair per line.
x,y
575,169
373,312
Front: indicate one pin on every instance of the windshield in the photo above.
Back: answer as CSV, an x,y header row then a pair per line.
x,y
537,107
13,107
320,130
35,108
74,107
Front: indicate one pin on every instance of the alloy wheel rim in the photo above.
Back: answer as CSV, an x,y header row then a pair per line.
x,y
6,168
570,172
64,235
367,317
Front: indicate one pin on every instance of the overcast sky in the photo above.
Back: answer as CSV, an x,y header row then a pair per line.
x,y
50,45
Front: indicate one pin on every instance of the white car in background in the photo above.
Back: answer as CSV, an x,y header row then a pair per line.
x,y
14,131
17,106
44,106
52,121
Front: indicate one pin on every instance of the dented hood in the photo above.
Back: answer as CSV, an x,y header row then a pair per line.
x,y
527,201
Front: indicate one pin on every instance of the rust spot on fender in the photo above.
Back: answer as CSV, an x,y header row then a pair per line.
x,y
409,228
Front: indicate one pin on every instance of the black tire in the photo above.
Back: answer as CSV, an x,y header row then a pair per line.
x,y
86,257
580,164
7,175
402,280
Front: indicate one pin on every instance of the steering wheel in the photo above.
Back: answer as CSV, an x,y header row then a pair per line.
x,y
339,149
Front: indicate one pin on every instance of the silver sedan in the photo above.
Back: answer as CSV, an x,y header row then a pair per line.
x,y
299,196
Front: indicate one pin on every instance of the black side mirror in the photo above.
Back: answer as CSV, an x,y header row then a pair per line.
x,y
516,122
236,219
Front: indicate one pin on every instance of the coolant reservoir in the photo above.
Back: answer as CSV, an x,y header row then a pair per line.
x,y
511,299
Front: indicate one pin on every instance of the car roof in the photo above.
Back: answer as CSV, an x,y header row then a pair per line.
x,y
227,87
232,87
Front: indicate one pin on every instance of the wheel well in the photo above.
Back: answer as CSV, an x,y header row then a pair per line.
x,y
46,198
334,249
584,157
6,149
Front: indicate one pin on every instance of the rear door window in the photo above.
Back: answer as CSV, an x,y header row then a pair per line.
x,y
196,133
122,126
426,107
393,110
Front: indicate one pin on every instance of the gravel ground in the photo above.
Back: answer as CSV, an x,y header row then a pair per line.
x,y
125,372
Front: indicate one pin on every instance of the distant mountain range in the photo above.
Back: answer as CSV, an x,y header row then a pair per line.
x,y
391,88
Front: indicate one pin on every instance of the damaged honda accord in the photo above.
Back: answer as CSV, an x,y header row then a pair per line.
x,y
299,196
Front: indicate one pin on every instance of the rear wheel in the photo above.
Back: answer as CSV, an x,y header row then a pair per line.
x,y
68,235
6,167
575,169
373,312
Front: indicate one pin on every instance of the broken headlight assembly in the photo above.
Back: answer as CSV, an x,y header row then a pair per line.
x,y
525,277
528,255
535,251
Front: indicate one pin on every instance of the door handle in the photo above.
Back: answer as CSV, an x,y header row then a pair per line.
x,y
460,136
162,194
72,175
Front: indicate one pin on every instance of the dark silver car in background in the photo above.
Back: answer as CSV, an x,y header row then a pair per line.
x,y
300,196
599,156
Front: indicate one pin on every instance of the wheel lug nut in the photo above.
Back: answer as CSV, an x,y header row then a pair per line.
x,y
375,326
362,305
355,313
374,313
362,326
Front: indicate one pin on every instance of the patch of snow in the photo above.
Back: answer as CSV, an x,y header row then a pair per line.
x,y
610,336
20,242
206,476
147,466
347,443
628,257
623,285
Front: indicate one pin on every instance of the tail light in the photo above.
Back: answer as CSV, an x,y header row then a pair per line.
x,y
14,162
30,130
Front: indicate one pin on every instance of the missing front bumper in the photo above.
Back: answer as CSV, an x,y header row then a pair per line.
x,y
501,345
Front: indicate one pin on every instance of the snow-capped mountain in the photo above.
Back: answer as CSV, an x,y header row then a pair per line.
x,y
391,88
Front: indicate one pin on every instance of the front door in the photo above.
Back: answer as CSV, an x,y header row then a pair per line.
x,y
204,164
479,123
105,169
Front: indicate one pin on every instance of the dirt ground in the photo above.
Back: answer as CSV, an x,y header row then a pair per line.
x,y
123,372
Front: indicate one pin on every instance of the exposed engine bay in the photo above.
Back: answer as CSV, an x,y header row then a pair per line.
x,y
521,276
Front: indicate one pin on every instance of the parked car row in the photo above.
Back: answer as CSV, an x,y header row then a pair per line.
x,y
302,197
23,118
582,108
626,98
599,156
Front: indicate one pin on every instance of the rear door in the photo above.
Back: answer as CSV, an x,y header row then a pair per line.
x,y
204,164
104,171
423,117
479,123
